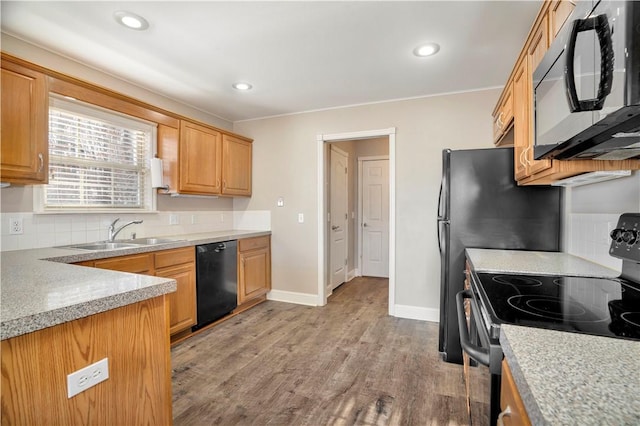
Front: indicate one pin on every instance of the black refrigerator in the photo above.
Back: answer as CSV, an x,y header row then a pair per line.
x,y
481,206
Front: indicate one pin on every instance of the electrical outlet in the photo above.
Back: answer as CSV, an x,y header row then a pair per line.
x,y
221,217
173,219
193,219
89,376
15,225
300,217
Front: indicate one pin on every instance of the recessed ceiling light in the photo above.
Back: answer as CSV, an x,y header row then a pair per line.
x,y
131,20
426,49
242,86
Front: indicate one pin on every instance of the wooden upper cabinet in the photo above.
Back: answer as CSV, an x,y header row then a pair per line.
x,y
539,44
25,108
559,11
236,166
200,159
521,118
503,116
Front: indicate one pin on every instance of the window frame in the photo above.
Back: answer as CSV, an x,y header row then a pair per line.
x,y
117,118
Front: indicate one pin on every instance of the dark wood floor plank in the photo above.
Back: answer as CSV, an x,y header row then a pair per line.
x,y
347,363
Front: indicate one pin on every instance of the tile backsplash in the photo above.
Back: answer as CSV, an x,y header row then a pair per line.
x,y
61,229
588,237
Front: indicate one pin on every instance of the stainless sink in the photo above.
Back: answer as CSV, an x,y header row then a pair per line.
x,y
102,246
122,244
149,241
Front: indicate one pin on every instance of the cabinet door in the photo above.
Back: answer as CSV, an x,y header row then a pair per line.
x,y
521,119
182,303
236,166
199,155
559,11
136,263
25,152
510,398
538,47
254,278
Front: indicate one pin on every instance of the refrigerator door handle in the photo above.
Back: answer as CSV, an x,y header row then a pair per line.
x,y
441,223
440,201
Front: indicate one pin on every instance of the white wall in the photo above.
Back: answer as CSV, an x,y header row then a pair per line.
x,y
284,164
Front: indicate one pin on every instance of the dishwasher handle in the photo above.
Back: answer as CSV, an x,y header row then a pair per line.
x,y
480,354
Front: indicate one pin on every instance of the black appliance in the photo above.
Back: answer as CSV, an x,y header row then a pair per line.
x,y
589,305
481,206
587,86
216,281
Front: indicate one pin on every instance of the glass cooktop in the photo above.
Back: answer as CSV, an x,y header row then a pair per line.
x,y
599,306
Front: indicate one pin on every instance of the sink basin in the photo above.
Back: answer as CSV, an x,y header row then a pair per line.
x,y
149,241
102,246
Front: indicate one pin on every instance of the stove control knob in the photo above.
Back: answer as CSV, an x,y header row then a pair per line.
x,y
630,237
616,235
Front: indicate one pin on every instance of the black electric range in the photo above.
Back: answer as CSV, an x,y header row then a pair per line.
x,y
598,306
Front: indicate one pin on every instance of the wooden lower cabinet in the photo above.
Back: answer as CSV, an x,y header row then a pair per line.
x,y
183,301
513,411
254,268
135,341
179,264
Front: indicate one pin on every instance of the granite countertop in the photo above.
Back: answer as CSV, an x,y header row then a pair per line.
x,y
570,378
40,289
535,263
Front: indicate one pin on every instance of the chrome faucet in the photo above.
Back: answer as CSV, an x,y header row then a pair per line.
x,y
113,231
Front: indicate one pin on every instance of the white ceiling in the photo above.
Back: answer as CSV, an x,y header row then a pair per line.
x,y
299,56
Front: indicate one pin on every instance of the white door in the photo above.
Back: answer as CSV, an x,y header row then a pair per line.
x,y
375,218
338,218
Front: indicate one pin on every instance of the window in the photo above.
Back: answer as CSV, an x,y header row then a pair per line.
x,y
98,160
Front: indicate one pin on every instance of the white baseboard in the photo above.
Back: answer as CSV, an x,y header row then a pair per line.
x,y
293,297
417,313
352,274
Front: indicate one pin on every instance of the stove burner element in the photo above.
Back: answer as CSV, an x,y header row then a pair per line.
x,y
552,308
632,318
517,280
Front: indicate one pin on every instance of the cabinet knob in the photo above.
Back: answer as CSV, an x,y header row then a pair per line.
x,y
41,160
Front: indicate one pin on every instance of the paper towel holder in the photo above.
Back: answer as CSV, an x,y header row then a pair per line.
x,y
156,174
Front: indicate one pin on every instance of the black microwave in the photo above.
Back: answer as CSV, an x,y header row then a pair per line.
x,y
587,86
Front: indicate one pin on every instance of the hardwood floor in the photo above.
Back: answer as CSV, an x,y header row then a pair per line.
x,y
347,363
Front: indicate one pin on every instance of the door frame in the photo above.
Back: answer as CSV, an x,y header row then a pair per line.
x,y
361,160
321,139
346,226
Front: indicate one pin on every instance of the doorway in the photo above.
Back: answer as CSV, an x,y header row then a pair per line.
x,y
324,225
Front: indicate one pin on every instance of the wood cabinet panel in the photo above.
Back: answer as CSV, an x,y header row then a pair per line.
x,y
25,109
135,340
503,116
511,403
236,166
254,268
166,258
182,303
253,243
135,263
559,12
521,119
200,157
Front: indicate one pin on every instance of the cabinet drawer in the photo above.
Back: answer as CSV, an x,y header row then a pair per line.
x,y
174,257
137,263
253,243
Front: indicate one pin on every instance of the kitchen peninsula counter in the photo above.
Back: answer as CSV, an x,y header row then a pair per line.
x,y
40,289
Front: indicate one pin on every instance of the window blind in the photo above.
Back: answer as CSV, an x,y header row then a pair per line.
x,y
96,160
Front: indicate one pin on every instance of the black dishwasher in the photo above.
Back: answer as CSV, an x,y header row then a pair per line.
x,y
216,281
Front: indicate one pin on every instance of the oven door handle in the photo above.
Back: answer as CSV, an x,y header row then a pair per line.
x,y
478,353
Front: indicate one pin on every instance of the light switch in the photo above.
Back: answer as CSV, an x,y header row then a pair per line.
x,y
300,217
281,202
